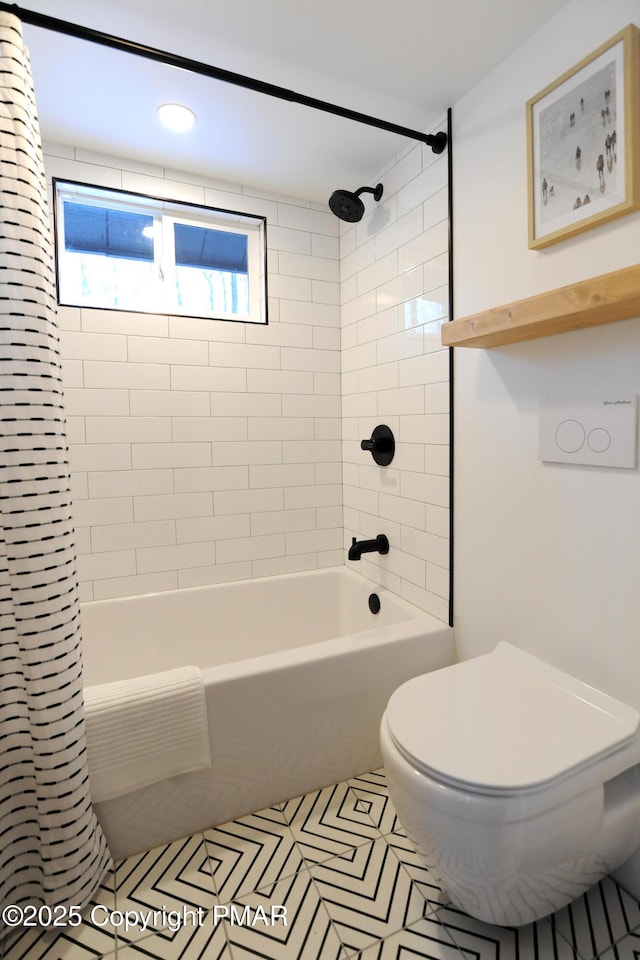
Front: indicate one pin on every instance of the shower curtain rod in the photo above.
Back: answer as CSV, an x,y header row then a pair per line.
x,y
436,141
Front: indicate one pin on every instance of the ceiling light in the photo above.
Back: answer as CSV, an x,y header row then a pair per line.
x,y
176,117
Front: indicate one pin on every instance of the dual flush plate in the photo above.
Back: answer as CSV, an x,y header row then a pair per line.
x,y
597,430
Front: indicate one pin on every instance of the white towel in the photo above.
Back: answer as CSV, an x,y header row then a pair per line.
x,y
143,730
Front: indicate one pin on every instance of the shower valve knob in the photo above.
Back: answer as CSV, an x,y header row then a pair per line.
x,y
382,445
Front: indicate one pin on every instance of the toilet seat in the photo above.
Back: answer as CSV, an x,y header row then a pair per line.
x,y
450,724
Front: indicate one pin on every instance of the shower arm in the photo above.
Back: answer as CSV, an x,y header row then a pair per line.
x,y
436,141
372,190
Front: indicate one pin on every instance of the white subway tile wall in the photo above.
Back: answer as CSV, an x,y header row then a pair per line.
x,y
204,451
394,276
207,451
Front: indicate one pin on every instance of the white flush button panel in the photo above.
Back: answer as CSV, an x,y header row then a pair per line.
x,y
599,431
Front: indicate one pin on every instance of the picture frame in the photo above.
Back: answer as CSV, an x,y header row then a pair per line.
x,y
583,141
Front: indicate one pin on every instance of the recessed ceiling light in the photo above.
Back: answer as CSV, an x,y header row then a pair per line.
x,y
176,117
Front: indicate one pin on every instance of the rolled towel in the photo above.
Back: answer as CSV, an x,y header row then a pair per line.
x,y
144,730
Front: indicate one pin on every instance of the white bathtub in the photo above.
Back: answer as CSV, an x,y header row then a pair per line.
x,y
297,674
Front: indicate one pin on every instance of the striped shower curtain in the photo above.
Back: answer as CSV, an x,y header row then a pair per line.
x,y
52,850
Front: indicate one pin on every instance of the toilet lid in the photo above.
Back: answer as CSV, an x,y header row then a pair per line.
x,y
505,722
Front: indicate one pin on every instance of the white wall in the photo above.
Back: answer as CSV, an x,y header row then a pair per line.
x,y
394,279
206,450
547,555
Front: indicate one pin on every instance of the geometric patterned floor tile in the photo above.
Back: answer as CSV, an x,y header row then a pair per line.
x,y
373,794
352,884
307,935
328,821
417,869
598,919
368,894
626,949
427,939
485,941
174,877
250,853
193,941
81,943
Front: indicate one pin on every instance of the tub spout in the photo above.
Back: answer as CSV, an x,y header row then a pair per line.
x,y
358,547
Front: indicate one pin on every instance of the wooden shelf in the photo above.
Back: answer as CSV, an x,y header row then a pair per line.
x,y
604,299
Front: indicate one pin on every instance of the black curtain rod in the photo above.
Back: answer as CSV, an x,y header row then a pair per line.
x,y
436,141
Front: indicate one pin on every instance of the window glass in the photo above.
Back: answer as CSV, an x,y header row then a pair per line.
x,y
205,247
112,233
125,251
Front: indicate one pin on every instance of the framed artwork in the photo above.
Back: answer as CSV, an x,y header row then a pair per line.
x,y
583,141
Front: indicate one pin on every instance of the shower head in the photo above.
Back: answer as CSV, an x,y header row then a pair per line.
x,y
348,206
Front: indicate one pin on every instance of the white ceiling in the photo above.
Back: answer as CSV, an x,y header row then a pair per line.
x,y
405,62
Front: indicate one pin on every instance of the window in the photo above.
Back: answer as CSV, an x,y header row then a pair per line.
x,y
124,251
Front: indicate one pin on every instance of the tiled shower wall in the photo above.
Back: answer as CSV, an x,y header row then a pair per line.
x,y
394,280
204,451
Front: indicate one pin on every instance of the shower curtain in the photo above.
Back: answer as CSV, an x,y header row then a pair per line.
x,y
52,850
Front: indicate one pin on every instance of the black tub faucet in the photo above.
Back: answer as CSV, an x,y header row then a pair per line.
x,y
358,547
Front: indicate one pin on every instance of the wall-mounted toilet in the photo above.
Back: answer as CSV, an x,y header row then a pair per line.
x,y
518,784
